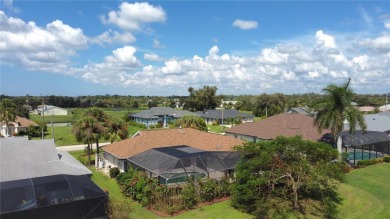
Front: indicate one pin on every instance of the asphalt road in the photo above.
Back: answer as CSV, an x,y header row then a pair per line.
x,y
78,147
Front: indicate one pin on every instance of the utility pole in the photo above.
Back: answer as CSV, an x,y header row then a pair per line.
x,y
222,112
43,117
52,127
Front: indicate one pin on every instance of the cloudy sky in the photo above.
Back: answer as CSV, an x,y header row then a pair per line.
x,y
163,47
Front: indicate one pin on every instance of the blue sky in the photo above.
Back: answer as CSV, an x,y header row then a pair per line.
x,y
163,47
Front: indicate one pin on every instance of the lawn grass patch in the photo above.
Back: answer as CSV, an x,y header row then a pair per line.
x,y
366,193
216,128
56,119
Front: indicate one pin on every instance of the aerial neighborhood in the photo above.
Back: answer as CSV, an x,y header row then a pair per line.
x,y
180,146
194,109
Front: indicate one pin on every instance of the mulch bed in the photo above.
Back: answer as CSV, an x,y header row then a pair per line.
x,y
164,214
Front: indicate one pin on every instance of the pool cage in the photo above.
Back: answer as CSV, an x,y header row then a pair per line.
x,y
174,164
57,196
365,145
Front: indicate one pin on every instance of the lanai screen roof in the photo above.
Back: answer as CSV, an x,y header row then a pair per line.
x,y
359,138
171,162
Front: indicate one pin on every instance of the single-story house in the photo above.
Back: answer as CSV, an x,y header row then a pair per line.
x,y
384,108
219,116
366,109
51,110
117,153
285,124
159,115
39,181
20,124
301,110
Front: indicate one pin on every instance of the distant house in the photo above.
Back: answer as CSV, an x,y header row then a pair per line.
x,y
301,110
51,110
366,109
117,153
20,124
218,116
384,108
39,181
285,124
159,115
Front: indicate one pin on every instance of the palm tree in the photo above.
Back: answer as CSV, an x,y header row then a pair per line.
x,y
87,130
335,108
7,113
103,121
117,128
190,121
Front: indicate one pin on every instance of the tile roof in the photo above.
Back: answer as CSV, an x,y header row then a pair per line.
x,y
25,122
155,112
147,139
284,124
366,108
227,113
22,122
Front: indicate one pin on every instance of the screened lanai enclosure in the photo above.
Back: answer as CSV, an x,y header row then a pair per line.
x,y
174,164
57,196
365,145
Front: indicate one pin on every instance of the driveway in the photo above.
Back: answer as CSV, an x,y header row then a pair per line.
x,y
78,147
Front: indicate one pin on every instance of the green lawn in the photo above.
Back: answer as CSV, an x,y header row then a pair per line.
x,y
216,128
367,193
56,119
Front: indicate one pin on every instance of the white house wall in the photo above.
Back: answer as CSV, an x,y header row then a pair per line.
x,y
243,137
111,161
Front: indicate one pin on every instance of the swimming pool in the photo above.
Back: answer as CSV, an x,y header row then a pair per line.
x,y
364,156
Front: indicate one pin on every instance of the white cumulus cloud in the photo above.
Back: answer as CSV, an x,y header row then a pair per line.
x,y
26,45
152,57
244,25
110,36
131,16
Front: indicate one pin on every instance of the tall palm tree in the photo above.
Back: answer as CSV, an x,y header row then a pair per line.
x,y
87,130
117,128
335,108
101,118
7,113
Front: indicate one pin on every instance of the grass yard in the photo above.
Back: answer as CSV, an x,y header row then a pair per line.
x,y
216,128
56,119
367,193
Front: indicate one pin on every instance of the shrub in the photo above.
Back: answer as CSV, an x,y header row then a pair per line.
x,y
188,195
83,159
118,209
362,163
386,159
114,172
207,190
215,123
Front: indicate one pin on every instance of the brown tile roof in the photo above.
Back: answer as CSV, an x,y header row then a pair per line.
x,y
25,122
284,124
148,139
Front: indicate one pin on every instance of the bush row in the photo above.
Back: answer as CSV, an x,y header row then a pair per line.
x,y
362,163
173,198
134,123
386,159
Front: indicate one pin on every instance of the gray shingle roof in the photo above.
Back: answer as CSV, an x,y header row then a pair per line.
x,y
155,112
227,113
21,158
377,122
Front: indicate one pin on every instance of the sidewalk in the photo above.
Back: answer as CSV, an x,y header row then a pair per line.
x,y
78,147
